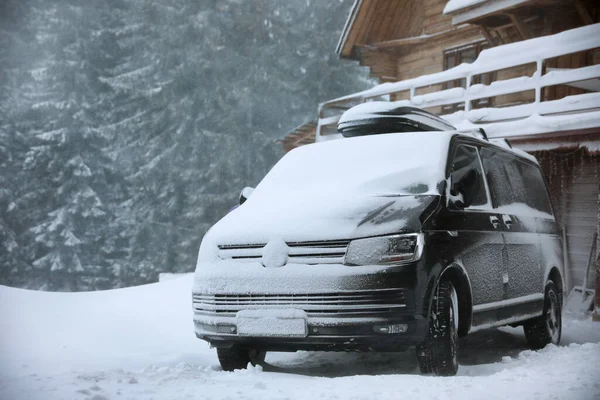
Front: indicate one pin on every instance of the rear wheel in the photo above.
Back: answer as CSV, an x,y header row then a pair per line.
x,y
439,353
237,357
546,328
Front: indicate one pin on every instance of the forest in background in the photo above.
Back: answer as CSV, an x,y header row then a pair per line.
x,y
129,127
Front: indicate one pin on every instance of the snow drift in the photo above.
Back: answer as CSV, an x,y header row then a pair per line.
x,y
138,343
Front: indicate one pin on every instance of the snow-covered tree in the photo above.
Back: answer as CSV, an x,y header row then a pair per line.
x,y
127,128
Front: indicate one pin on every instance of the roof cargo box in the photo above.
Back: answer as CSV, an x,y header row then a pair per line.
x,y
384,117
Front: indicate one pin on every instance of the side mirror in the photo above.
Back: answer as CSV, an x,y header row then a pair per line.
x,y
245,194
464,190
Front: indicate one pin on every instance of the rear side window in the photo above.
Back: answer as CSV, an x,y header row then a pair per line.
x,y
513,181
537,194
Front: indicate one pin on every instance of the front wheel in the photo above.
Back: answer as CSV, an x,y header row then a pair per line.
x,y
546,328
439,353
237,357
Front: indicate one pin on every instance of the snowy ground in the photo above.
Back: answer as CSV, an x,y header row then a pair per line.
x,y
138,343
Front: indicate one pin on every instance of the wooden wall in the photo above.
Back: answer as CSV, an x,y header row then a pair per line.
x,y
413,60
416,60
382,20
573,176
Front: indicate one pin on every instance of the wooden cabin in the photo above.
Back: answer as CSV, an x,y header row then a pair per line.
x,y
299,136
526,70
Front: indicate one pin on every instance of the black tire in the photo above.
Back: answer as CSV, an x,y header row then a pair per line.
x,y
547,328
257,357
424,359
237,357
439,353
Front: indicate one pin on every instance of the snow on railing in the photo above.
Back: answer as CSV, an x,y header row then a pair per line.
x,y
543,113
455,5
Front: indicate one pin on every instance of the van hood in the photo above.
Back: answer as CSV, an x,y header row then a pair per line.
x,y
330,215
343,189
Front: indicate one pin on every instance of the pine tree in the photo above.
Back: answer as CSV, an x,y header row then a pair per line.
x,y
129,127
63,200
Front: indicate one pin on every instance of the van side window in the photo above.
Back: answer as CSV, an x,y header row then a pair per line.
x,y
514,181
504,178
537,194
466,159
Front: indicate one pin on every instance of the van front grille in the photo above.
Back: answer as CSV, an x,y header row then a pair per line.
x,y
316,252
342,303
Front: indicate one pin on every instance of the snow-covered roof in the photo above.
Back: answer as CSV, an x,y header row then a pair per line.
x,y
348,26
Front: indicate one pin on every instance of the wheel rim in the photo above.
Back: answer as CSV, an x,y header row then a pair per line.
x,y
454,324
553,317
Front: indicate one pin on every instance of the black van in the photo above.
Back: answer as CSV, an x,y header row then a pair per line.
x,y
382,242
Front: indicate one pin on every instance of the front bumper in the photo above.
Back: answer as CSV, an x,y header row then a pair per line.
x,y
356,335
344,306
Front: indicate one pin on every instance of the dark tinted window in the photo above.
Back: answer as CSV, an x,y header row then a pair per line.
x,y
465,159
537,195
514,181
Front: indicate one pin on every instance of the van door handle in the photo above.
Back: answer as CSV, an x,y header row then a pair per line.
x,y
507,221
494,221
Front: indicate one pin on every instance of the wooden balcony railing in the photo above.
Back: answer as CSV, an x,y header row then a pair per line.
x,y
531,56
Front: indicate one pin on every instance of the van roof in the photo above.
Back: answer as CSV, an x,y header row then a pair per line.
x,y
498,142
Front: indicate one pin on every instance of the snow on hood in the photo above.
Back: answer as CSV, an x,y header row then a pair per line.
x,y
313,218
342,189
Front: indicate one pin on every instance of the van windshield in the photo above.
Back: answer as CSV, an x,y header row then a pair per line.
x,y
393,164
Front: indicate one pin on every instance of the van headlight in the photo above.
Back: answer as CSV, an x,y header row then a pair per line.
x,y
395,249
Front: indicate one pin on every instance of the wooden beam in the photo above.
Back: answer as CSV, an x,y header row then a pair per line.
x,y
510,24
488,36
342,107
295,140
302,140
352,28
583,12
521,28
400,42
416,39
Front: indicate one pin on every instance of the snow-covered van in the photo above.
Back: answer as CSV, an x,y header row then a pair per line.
x,y
381,242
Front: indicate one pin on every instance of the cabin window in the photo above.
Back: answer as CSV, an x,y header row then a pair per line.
x,y
466,54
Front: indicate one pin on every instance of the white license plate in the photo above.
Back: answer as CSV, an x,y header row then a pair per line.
x,y
271,323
